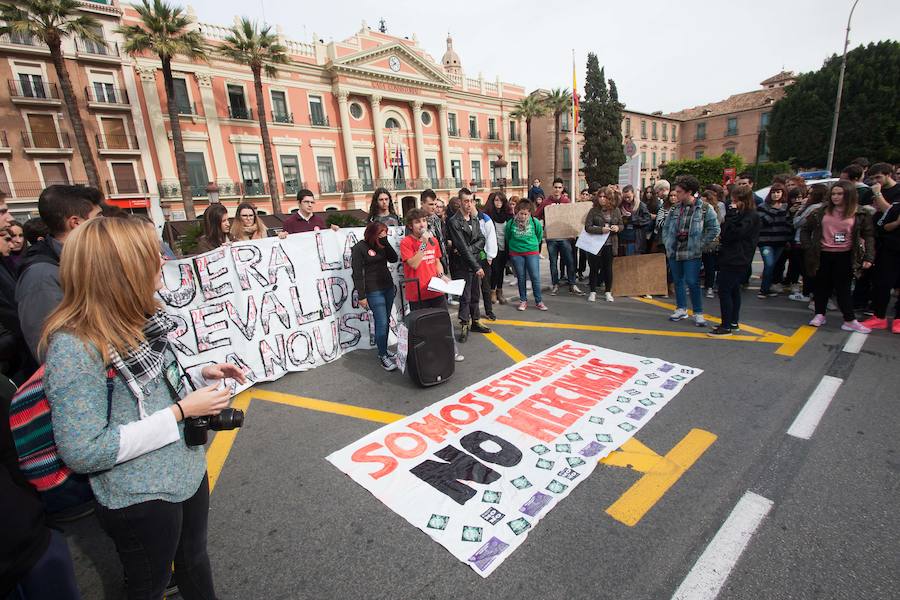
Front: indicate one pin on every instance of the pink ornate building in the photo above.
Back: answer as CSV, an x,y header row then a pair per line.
x,y
344,118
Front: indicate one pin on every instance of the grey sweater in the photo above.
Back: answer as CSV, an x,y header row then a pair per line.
x,y
75,383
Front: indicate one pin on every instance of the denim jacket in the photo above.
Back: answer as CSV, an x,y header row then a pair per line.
x,y
703,230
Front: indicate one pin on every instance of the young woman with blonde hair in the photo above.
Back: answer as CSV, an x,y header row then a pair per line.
x,y
151,488
247,225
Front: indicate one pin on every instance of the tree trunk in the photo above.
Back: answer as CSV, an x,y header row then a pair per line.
x,y
267,143
528,149
555,143
84,148
184,181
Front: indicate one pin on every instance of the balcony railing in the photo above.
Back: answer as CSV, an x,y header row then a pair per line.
x,y
473,134
83,46
117,142
19,89
476,183
114,96
33,189
492,135
133,186
328,187
49,140
318,120
453,132
187,110
280,117
240,112
293,186
19,39
515,137
349,186
701,135
252,188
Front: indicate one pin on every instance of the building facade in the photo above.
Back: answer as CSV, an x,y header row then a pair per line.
x,y
37,144
344,118
655,136
736,124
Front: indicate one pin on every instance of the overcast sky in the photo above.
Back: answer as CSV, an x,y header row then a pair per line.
x,y
663,54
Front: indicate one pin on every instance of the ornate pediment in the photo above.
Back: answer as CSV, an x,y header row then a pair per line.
x,y
391,62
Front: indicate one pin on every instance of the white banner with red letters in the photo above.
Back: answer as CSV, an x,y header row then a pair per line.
x,y
478,470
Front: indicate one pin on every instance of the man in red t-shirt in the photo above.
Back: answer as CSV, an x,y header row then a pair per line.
x,y
421,256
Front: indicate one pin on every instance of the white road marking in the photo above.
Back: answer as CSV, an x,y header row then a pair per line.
x,y
711,570
855,342
809,416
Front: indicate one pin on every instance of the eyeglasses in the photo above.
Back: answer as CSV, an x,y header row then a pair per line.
x,y
247,215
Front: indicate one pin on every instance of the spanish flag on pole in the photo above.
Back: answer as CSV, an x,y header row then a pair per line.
x,y
575,106
574,152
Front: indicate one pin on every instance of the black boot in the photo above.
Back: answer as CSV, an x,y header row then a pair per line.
x,y
477,327
463,331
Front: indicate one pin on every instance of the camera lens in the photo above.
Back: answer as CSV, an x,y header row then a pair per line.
x,y
228,419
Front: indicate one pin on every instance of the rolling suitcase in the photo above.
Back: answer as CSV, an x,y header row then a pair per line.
x,y
431,351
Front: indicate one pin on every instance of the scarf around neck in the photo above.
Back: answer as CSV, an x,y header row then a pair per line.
x,y
143,364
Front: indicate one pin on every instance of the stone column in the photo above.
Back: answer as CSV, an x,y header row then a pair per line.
x,y
346,134
204,81
523,133
420,140
377,127
157,126
445,142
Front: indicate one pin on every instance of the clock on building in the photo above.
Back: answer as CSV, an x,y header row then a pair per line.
x,y
394,64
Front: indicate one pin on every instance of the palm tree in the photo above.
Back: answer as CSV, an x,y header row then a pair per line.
x,y
51,21
260,50
164,31
528,108
558,101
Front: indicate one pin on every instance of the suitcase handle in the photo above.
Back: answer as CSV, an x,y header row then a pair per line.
x,y
403,282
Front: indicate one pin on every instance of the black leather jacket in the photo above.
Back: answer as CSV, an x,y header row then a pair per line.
x,y
468,240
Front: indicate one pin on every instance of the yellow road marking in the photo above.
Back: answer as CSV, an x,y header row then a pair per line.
x,y
793,344
660,473
220,447
507,348
633,330
661,304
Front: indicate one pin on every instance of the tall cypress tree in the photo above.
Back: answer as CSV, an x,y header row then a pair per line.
x,y
591,109
613,152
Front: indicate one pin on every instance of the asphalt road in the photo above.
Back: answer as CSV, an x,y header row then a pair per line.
x,y
284,523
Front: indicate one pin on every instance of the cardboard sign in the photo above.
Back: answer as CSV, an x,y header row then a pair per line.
x,y
478,470
562,221
639,275
270,306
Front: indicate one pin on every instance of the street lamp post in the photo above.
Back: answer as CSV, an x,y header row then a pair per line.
x,y
837,101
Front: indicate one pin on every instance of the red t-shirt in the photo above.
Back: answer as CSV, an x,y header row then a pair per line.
x,y
427,268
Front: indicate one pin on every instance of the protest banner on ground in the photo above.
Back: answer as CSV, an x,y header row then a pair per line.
x,y
270,306
477,470
565,220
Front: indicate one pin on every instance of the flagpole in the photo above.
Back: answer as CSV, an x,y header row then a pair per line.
x,y
573,148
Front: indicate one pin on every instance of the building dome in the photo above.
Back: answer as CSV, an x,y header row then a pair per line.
x,y
450,59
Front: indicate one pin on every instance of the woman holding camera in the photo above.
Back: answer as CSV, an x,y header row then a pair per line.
x,y
151,489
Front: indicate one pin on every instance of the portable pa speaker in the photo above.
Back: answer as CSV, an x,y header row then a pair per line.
x,y
430,358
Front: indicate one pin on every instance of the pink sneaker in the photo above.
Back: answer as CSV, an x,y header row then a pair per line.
x,y
856,326
522,306
875,323
817,321
895,327
541,306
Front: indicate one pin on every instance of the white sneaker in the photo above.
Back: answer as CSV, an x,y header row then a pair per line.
x,y
798,297
678,315
554,290
459,358
608,297
777,288
710,293
699,321
592,297
576,290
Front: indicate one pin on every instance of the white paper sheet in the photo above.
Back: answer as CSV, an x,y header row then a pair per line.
x,y
591,242
454,286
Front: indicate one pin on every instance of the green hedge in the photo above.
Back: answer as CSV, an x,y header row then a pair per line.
x,y
707,169
763,173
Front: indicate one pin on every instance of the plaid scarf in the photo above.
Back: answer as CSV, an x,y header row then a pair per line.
x,y
145,363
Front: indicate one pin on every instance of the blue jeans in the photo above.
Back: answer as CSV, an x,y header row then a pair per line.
x,y
687,272
770,256
528,266
554,248
380,303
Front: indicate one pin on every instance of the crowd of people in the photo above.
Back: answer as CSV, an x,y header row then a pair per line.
x,y
78,296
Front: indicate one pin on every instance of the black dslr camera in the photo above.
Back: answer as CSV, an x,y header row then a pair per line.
x,y
196,428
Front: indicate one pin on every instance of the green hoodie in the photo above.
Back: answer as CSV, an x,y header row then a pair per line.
x,y
524,241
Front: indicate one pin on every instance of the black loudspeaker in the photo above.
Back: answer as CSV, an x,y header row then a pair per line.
x,y
430,358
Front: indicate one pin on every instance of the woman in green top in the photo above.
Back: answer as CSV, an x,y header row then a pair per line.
x,y
523,241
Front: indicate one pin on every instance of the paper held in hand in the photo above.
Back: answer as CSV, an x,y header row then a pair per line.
x,y
454,286
591,242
